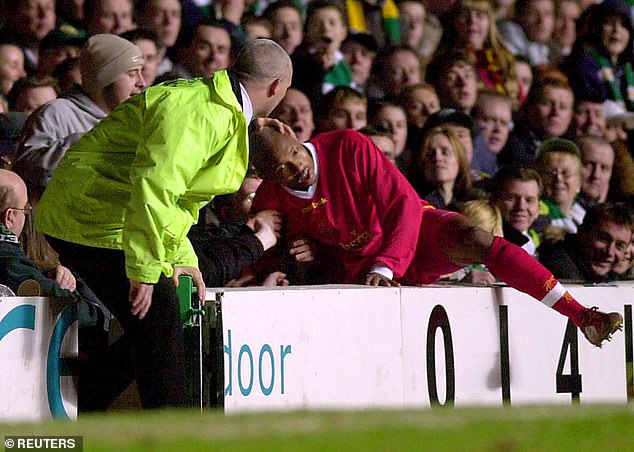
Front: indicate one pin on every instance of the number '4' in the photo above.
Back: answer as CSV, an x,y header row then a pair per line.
x,y
569,383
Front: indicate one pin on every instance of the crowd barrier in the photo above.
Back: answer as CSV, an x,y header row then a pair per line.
x,y
347,347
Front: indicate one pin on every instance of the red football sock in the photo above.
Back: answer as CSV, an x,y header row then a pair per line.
x,y
518,269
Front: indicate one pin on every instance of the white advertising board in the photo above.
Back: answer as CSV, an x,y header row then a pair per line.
x,y
37,338
312,347
354,347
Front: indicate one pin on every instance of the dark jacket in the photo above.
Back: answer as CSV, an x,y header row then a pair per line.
x,y
563,258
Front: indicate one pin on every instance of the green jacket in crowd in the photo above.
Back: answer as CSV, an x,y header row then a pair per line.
x,y
138,179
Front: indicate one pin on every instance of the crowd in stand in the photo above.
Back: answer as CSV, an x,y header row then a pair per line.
x,y
518,114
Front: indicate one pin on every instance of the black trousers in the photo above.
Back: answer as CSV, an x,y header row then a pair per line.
x,y
154,345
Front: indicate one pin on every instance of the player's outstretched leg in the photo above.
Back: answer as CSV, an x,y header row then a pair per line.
x,y
518,269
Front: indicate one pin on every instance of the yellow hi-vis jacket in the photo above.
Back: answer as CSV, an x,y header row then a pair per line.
x,y
138,179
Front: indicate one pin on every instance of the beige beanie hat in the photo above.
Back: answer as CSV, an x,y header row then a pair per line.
x,y
104,58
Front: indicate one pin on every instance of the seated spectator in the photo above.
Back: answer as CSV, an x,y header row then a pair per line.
x,y
493,113
163,17
390,117
359,50
419,102
67,74
28,94
486,216
559,161
592,254
441,173
479,157
11,68
625,267
382,140
420,29
318,64
589,117
147,41
565,31
453,75
26,23
473,28
228,239
597,158
393,69
342,108
286,24
108,16
601,66
530,33
523,73
207,50
546,113
516,191
55,48
16,266
256,27
11,124
111,72
296,112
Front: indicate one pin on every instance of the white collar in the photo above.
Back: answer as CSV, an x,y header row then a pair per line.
x,y
308,194
247,107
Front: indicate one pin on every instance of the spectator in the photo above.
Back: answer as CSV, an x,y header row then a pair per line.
x,y
559,161
111,70
493,113
419,102
589,117
377,229
296,112
71,12
342,108
420,30
453,75
390,117
473,28
11,67
108,16
286,24
256,27
393,69
516,191
67,74
55,48
565,30
228,238
207,51
599,68
597,158
625,267
145,40
27,22
530,34
135,211
359,50
592,254
546,113
30,93
441,170
318,63
163,17
382,140
523,74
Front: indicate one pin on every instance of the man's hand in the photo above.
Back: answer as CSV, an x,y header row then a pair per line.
x,y
377,279
301,250
198,280
274,123
276,279
140,297
480,277
65,278
265,234
273,218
